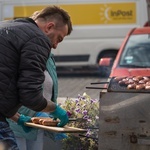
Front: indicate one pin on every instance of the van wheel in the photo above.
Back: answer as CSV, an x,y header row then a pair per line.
x,y
105,71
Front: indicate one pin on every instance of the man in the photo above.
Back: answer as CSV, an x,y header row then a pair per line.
x,y
25,45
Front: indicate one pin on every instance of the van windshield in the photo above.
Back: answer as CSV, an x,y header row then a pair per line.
x,y
136,53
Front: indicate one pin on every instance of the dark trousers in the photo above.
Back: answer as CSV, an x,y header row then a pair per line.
x,y
7,138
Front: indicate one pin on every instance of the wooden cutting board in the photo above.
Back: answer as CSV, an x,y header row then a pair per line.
x,y
64,129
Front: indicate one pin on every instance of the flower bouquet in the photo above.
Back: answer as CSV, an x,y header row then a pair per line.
x,y
86,111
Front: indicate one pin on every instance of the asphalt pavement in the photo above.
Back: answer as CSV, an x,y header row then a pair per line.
x,y
71,86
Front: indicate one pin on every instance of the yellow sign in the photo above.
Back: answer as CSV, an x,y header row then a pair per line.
x,y
90,14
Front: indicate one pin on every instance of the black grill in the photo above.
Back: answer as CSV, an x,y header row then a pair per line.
x,y
114,86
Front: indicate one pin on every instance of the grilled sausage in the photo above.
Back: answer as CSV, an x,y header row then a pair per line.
x,y
146,78
129,81
148,83
39,120
117,79
43,119
136,79
142,81
122,83
131,86
49,122
36,119
140,86
139,77
147,87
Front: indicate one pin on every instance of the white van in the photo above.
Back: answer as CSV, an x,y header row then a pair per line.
x,y
99,27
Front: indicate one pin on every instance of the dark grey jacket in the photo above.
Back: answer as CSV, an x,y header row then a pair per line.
x,y
24,50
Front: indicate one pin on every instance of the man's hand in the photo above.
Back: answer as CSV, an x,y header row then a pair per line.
x,y
61,114
21,121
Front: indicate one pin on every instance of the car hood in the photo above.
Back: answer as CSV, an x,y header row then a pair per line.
x,y
130,72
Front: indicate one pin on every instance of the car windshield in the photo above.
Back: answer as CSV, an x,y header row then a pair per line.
x,y
137,52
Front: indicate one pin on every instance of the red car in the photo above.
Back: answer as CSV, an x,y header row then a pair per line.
x,y
133,58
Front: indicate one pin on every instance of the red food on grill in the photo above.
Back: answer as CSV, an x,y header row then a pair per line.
x,y
131,86
130,81
146,78
142,81
134,82
140,86
117,79
148,83
140,77
147,87
122,83
136,79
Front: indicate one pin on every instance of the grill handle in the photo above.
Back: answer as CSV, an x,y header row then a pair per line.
x,y
100,83
96,88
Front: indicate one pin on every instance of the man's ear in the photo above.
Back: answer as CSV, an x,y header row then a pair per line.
x,y
49,26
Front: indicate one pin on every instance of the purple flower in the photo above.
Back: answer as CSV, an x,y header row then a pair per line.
x,y
88,133
86,117
69,114
79,96
77,100
93,100
83,97
84,112
77,110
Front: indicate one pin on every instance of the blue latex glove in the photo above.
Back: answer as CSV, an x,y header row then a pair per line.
x,y
61,114
21,121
